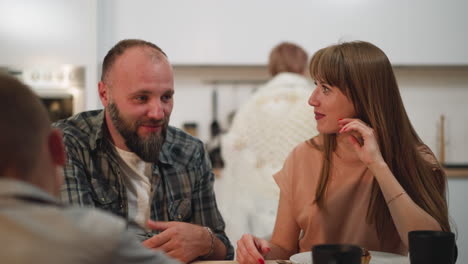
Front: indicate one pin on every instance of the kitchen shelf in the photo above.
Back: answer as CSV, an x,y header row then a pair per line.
x,y
456,172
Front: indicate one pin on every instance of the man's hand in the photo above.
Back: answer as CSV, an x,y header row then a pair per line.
x,y
179,240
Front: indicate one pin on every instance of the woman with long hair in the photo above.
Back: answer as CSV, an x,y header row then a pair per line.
x,y
367,178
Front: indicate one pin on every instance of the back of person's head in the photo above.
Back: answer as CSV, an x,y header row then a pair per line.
x,y
118,49
287,57
364,74
24,125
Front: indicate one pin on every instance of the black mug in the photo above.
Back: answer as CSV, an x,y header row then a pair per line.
x,y
336,254
432,247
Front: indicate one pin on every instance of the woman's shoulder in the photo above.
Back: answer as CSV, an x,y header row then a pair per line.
x,y
305,155
306,148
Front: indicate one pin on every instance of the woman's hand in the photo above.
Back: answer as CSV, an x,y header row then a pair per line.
x,y
363,139
251,250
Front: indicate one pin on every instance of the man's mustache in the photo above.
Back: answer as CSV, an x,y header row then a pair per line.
x,y
152,122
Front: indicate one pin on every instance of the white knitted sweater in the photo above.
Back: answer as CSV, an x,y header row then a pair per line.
x,y
264,130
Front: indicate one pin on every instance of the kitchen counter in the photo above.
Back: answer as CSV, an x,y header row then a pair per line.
x,y
456,172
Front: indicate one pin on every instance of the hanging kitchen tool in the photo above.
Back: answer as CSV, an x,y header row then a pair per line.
x,y
214,144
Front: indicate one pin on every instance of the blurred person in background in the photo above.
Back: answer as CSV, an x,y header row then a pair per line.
x,y
34,226
263,132
367,178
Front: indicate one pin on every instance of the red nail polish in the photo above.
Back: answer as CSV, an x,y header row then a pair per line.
x,y
261,261
340,119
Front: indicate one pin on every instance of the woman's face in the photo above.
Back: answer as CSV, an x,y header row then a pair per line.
x,y
330,105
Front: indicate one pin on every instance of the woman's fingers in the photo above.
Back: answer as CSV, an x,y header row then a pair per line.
x,y
248,251
263,245
359,130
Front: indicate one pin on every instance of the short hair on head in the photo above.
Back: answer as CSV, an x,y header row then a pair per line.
x,y
24,124
287,57
120,48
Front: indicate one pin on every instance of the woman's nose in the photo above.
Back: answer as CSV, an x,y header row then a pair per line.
x,y
313,99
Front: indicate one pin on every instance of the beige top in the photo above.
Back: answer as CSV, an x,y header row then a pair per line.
x,y
347,199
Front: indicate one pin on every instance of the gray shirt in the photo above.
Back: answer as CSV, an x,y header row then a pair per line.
x,y
36,228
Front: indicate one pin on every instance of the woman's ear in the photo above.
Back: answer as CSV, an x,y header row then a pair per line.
x,y
56,147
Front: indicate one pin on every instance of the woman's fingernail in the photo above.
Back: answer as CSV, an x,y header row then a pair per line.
x,y
261,261
340,119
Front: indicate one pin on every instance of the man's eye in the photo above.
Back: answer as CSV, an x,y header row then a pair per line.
x,y
141,99
166,98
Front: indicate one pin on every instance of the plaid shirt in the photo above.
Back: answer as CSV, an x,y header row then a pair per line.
x,y
182,179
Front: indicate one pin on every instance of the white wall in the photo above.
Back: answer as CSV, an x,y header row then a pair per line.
x,y
457,198
431,92
241,32
47,33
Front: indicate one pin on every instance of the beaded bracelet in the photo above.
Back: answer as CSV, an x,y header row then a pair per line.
x,y
212,242
394,197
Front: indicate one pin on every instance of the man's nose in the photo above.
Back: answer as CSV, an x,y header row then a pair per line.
x,y
156,110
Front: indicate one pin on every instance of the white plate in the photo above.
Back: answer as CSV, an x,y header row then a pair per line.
x,y
377,257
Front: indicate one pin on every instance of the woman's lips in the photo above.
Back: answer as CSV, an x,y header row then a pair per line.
x,y
318,115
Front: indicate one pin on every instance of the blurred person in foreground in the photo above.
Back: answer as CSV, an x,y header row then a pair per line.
x,y
34,226
264,130
367,178
128,160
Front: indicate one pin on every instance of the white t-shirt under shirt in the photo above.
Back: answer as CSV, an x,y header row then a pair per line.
x,y
137,178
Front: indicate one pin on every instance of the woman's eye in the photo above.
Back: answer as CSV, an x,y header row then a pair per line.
x,y
325,89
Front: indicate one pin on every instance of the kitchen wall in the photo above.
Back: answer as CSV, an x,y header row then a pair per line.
x,y
47,33
240,32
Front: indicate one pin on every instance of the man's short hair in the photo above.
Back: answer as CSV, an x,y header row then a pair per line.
x,y
287,57
120,48
24,124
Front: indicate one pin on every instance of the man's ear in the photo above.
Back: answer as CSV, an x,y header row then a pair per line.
x,y
103,93
56,147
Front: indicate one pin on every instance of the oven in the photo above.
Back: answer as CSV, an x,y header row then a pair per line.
x,y
60,88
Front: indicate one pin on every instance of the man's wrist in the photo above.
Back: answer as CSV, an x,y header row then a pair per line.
x,y
212,242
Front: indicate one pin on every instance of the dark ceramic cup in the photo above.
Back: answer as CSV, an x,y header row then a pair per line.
x,y
336,254
432,247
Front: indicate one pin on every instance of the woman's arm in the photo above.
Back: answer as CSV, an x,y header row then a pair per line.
x,y
285,238
406,214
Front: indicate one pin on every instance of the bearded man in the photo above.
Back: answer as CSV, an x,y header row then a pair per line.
x,y
126,159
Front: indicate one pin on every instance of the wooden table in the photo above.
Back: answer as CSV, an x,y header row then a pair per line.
x,y
235,262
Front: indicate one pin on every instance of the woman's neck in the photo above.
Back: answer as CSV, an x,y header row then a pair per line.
x,y
344,149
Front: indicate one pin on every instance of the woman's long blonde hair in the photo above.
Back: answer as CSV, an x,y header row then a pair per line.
x,y
364,74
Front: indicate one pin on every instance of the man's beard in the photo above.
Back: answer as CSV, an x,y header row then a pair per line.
x,y
146,148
